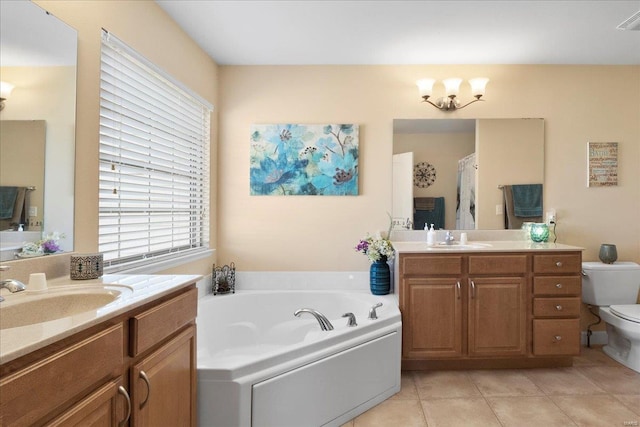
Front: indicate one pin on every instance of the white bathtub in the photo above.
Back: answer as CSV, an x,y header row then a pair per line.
x,y
259,365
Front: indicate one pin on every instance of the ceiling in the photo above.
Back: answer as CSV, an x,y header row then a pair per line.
x,y
245,32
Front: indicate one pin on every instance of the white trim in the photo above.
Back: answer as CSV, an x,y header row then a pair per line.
x,y
597,337
160,264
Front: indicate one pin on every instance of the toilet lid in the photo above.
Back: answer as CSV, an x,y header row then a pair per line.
x,y
627,311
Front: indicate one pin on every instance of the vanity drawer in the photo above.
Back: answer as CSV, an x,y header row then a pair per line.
x,y
556,337
420,265
31,393
557,285
556,307
557,263
156,324
502,264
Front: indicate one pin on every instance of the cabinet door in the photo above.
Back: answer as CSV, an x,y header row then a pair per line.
x,y
432,318
108,406
497,316
163,385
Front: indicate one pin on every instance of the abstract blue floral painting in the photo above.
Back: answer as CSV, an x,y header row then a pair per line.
x,y
304,160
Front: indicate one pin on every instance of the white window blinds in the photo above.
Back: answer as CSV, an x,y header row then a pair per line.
x,y
154,162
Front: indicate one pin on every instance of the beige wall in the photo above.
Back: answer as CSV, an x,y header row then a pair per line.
x,y
578,103
442,150
145,27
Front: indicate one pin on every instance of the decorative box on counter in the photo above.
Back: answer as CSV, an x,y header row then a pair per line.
x,y
86,266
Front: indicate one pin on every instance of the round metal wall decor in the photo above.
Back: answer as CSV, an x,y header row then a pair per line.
x,y
424,174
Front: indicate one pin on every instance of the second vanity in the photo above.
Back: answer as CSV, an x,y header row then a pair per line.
x,y
488,304
129,361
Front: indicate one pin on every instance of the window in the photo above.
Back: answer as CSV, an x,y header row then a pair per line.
x,y
154,163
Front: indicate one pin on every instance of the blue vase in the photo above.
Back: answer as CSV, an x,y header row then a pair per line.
x,y
380,277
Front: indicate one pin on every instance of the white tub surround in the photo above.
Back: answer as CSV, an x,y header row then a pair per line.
x,y
133,291
259,365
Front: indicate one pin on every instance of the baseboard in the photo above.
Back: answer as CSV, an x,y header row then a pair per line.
x,y
597,337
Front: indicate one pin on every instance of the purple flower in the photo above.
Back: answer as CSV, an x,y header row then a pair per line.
x,y
50,246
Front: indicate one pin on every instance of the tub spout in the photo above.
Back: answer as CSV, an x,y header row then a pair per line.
x,y
325,325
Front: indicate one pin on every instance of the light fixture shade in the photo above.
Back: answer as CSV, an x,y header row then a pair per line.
x,y
478,86
452,86
5,90
425,86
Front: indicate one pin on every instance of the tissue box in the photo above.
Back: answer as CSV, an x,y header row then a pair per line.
x,y
86,266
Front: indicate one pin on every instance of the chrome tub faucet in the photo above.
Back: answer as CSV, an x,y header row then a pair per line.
x,y
325,325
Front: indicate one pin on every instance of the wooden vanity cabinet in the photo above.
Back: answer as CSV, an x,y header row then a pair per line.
x,y
557,296
138,369
479,310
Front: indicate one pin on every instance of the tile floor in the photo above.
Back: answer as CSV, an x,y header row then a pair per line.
x,y
595,391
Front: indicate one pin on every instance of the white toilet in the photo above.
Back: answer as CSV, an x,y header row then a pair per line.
x,y
614,289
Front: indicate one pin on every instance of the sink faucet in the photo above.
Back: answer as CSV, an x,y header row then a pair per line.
x,y
11,284
448,238
325,325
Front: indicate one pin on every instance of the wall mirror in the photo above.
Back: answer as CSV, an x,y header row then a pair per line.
x,y
38,56
457,168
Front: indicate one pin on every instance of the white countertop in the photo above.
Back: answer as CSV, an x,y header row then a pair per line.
x,y
482,246
136,290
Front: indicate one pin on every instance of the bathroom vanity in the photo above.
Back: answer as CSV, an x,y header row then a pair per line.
x,y
498,304
131,362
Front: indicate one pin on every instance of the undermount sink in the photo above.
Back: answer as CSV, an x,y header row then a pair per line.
x,y
460,246
30,308
455,246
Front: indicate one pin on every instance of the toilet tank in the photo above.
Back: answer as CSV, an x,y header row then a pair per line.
x,y
608,284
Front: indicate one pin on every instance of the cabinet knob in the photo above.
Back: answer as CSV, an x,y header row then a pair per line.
x,y
559,264
559,285
558,337
559,307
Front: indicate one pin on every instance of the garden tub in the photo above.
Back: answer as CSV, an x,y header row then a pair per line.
x,y
259,365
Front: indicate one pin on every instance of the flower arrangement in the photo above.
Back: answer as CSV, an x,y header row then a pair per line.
x,y
48,245
376,248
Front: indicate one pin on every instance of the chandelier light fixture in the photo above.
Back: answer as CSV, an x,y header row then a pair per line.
x,y
450,101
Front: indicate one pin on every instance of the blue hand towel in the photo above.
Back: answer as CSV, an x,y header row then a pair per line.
x,y
527,200
7,201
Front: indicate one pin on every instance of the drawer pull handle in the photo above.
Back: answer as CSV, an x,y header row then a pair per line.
x,y
559,307
559,285
458,289
123,392
473,290
558,338
145,378
559,264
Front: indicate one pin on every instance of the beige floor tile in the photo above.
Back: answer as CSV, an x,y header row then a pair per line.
x,y
593,356
504,383
524,411
443,384
405,413
631,401
468,412
407,387
614,380
595,410
348,424
561,381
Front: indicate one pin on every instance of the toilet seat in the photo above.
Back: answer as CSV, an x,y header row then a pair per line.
x,y
629,312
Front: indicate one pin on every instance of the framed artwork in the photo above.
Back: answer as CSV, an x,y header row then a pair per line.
x,y
602,164
301,159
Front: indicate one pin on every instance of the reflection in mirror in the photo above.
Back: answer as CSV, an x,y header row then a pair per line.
x,y
38,56
458,167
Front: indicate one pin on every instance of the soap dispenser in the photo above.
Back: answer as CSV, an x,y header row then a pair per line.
x,y
431,236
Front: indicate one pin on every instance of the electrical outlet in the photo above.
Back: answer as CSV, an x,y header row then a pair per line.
x,y
551,217
499,209
33,211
